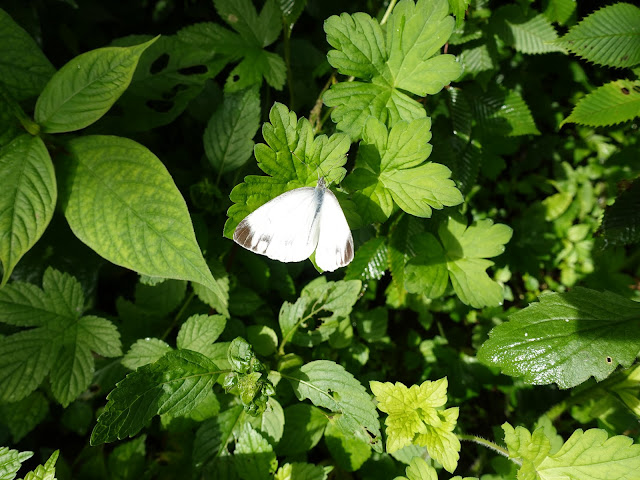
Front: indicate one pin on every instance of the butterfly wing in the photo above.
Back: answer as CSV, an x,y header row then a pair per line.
x,y
335,243
285,228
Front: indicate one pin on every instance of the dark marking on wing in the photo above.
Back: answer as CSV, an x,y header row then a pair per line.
x,y
242,235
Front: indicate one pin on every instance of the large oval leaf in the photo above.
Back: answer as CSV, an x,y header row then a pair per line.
x,y
120,200
27,198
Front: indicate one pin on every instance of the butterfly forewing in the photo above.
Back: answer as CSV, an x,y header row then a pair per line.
x,y
335,243
285,228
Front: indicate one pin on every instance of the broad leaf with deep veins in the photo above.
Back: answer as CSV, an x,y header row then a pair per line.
x,y
120,200
566,337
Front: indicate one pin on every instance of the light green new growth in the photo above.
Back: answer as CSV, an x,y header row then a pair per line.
x,y
403,57
10,462
586,455
302,471
46,471
60,344
415,416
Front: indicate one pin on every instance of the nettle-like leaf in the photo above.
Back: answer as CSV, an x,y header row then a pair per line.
x,y
608,36
293,157
11,461
303,471
170,74
252,34
621,221
211,439
86,87
419,469
628,389
415,417
526,31
304,426
228,138
459,8
589,454
461,256
566,337
615,102
329,385
46,471
121,201
175,385
348,452
25,70
391,169
27,198
405,59
253,456
23,416
318,311
60,342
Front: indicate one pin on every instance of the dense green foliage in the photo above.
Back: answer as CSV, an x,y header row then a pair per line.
x,y
487,160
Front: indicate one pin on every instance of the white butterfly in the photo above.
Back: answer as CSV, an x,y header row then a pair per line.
x,y
291,226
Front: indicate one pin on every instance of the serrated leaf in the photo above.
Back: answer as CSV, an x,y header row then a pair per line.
x,y
173,385
427,273
253,456
228,138
566,337
120,200
302,471
458,8
293,156
465,250
526,31
609,36
415,417
407,59
46,471
27,199
477,58
590,454
369,262
621,221
213,435
25,70
61,337
200,331
615,102
86,87
304,426
419,469
145,351
23,416
10,462
348,452
317,313
559,11
170,74
330,386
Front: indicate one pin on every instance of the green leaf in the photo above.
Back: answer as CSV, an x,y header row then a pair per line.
x,y
10,462
173,385
348,452
419,469
615,102
369,262
25,70
120,200
127,461
144,352
477,58
291,10
271,423
559,11
415,417
393,161
407,59
607,37
200,331
304,426
62,338
213,435
302,471
330,386
46,471
253,456
228,138
86,87
621,221
526,31
566,338
465,250
294,158
320,308
27,199
587,454
23,416
458,8
427,273
170,74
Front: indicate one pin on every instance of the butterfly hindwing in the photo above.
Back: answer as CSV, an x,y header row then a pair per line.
x,y
285,228
335,243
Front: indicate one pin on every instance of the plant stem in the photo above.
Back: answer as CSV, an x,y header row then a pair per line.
x,y
490,445
287,59
174,322
392,4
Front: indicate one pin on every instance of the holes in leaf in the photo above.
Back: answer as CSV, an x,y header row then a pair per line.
x,y
171,94
625,91
235,78
193,70
609,360
160,106
159,64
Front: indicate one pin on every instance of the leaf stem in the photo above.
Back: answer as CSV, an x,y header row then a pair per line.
x,y
392,4
490,445
293,329
177,316
287,59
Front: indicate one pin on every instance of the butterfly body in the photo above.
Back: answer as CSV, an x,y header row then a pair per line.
x,y
290,227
